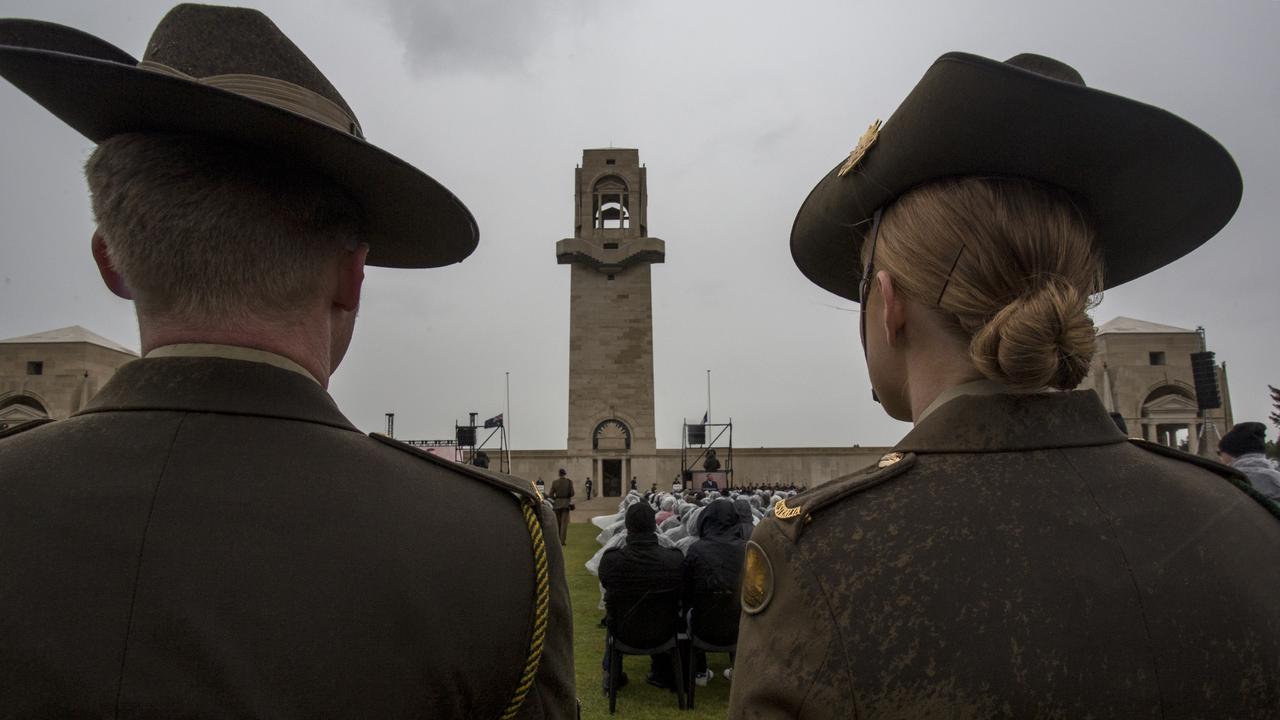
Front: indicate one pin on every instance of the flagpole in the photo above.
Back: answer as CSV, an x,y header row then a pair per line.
x,y
708,396
506,421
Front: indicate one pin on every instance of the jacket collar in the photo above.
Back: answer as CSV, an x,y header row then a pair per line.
x,y
1007,422
216,385
231,352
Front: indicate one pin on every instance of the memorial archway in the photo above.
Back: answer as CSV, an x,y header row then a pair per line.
x,y
1170,417
17,409
611,444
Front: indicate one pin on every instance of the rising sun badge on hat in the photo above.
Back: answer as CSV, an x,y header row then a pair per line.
x,y
1155,186
864,144
231,74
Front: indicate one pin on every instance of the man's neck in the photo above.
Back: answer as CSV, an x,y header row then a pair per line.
x,y
307,349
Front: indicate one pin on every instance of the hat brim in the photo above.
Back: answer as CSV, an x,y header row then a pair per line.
x,y
1155,186
412,221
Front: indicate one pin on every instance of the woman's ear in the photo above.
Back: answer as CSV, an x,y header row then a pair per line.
x,y
112,279
894,314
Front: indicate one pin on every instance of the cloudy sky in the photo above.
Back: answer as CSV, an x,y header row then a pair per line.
x,y
737,108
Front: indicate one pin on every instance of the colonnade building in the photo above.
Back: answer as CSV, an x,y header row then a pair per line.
x,y
1142,371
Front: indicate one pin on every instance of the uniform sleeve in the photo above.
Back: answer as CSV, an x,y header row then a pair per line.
x,y
554,696
790,662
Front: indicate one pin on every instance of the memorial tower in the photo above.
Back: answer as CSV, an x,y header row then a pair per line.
x,y
611,417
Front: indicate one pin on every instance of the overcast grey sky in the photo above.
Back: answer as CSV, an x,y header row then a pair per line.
x,y
738,108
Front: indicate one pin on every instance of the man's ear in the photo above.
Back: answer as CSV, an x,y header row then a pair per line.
x,y
350,278
112,279
895,312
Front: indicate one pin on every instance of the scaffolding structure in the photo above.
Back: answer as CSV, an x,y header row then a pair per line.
x,y
694,449
465,447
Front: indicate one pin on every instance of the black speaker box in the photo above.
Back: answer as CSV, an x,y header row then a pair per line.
x,y
697,434
1205,374
466,436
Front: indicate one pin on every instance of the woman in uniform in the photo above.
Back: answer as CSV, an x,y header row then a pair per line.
x,y
1015,555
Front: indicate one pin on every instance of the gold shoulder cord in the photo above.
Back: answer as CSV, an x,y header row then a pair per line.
x,y
540,611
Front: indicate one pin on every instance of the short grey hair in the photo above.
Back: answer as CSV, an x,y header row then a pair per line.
x,y
211,232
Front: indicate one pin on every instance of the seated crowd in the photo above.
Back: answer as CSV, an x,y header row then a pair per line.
x,y
686,551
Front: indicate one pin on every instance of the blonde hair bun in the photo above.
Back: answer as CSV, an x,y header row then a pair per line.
x,y
1010,264
1043,338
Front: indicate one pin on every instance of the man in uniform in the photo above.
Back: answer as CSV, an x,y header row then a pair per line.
x,y
1015,555
210,536
562,501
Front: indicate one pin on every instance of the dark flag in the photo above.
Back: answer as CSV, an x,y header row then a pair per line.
x,y
494,422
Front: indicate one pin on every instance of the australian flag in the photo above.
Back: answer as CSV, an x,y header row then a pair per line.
x,y
494,422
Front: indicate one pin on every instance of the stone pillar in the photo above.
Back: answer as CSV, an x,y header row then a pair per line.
x,y
1193,438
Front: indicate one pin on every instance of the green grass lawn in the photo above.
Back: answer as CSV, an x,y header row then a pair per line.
x,y
638,699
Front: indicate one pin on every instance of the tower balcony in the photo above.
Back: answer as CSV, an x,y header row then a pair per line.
x,y
610,255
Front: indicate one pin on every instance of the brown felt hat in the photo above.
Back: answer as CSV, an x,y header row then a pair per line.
x,y
1155,186
231,74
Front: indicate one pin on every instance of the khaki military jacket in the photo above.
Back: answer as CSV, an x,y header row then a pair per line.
x,y
561,493
1015,557
212,538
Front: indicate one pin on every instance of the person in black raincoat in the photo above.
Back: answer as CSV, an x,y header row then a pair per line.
x,y
712,571
746,518
640,565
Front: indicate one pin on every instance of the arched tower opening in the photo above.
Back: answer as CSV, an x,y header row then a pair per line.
x,y
611,204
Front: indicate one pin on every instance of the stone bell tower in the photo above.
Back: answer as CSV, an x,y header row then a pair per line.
x,y
611,319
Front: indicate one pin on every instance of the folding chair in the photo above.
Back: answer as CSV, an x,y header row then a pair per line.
x,y
643,624
711,626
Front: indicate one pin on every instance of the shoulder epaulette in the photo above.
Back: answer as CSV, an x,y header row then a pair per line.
x,y
23,427
1176,454
1237,478
794,513
522,488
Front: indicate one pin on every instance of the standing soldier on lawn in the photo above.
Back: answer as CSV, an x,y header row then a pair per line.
x,y
562,502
